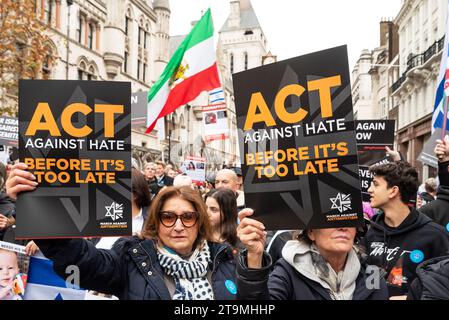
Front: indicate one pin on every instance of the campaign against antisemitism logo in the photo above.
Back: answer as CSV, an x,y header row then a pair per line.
x,y
114,211
342,202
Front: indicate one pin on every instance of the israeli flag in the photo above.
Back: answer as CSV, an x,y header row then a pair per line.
x,y
44,284
216,96
443,85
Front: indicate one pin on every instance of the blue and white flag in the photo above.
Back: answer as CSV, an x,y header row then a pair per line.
x,y
45,284
443,85
216,96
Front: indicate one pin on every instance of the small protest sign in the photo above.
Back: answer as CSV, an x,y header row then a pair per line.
x,y
215,122
14,264
9,131
373,136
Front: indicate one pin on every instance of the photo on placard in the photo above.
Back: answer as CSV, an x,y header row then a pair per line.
x,y
14,264
210,118
200,165
221,114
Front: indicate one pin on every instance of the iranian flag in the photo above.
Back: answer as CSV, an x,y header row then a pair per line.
x,y
191,70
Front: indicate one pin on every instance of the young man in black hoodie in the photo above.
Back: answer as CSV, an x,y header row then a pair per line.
x,y
401,237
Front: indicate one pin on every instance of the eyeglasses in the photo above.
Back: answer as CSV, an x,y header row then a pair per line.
x,y
169,218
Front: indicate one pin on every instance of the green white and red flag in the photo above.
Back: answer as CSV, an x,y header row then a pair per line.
x,y
191,70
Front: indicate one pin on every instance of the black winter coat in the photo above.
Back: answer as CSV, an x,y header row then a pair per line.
x,y
438,210
286,283
432,280
131,270
7,207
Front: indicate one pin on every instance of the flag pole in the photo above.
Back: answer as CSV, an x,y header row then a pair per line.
x,y
443,129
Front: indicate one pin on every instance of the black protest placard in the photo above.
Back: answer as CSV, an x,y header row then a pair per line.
x,y
297,142
139,112
427,155
75,137
9,131
373,136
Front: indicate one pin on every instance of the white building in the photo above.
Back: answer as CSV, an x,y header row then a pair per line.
x,y
118,40
241,46
372,76
421,26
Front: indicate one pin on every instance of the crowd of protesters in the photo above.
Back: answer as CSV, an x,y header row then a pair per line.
x,y
199,242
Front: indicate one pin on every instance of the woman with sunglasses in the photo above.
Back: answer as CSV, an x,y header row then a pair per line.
x,y
171,259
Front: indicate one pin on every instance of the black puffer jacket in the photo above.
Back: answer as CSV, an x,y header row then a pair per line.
x,y
438,210
432,280
286,283
131,270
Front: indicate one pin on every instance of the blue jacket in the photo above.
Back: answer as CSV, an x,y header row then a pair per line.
x,y
131,269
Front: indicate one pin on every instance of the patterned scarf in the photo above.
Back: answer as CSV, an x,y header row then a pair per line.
x,y
190,275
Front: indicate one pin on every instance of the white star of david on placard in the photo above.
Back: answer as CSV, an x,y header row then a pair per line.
x,y
342,202
117,211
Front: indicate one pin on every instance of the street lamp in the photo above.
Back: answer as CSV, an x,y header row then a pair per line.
x,y
69,4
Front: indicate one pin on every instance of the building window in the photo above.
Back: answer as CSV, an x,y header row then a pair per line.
x,y
145,36
46,71
90,36
144,72
47,11
79,30
246,61
139,36
232,63
125,63
86,74
127,23
139,66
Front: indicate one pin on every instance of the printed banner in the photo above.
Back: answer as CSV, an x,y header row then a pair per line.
x,y
75,138
195,168
215,122
9,131
372,138
297,140
139,110
14,264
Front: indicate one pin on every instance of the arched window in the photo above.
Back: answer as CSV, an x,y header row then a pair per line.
x,y
48,60
85,71
91,75
82,70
